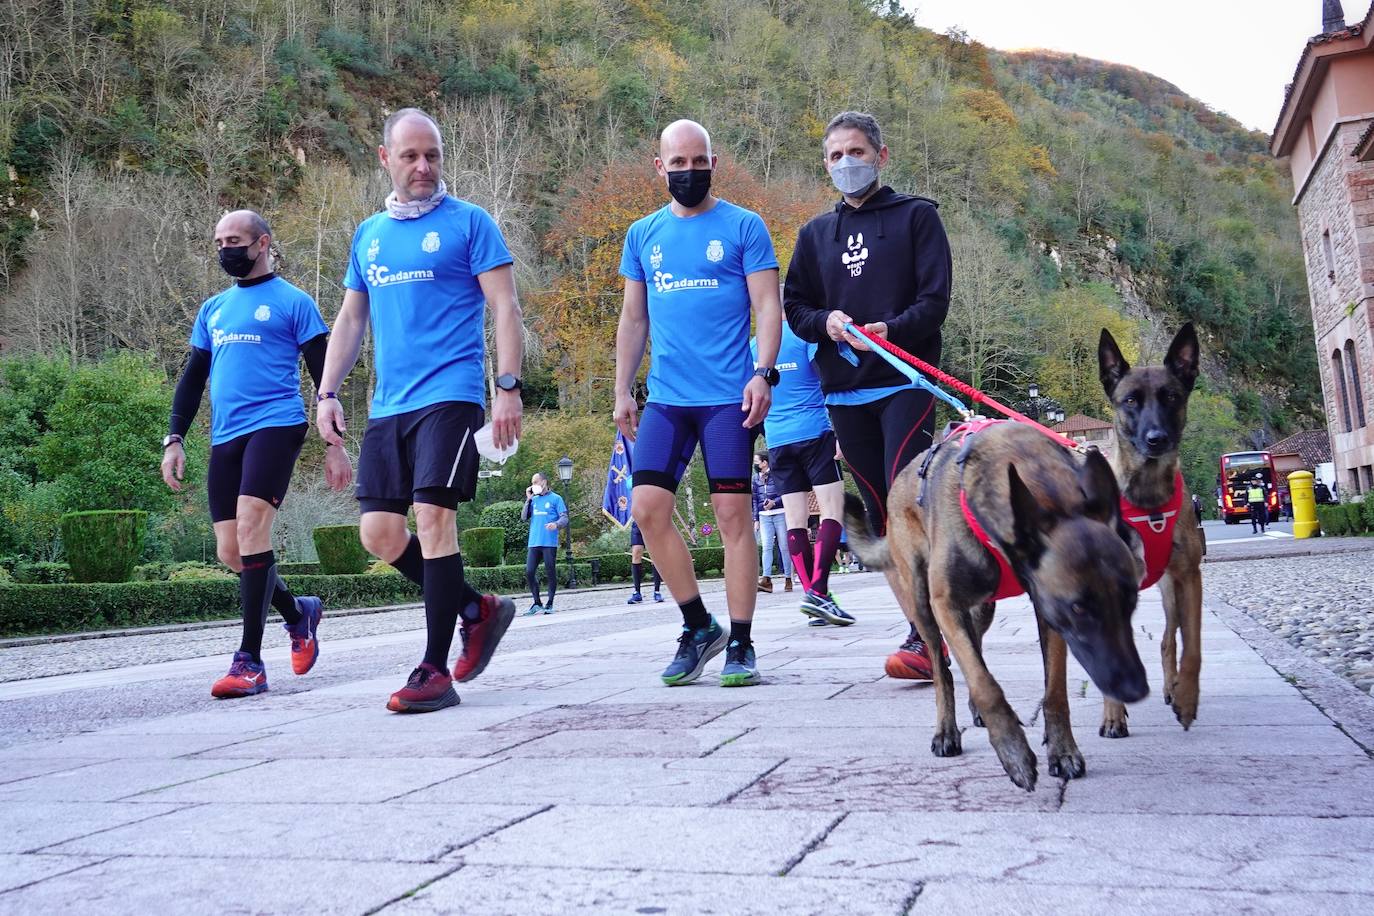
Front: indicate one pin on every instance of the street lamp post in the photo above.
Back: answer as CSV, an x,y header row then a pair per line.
x,y
1038,408
565,472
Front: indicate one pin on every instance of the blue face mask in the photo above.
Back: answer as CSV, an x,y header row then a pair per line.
x,y
852,176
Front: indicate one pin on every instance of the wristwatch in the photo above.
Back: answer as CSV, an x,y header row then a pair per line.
x,y
508,382
326,396
168,440
769,374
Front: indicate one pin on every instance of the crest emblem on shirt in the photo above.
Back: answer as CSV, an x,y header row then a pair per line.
x,y
263,313
855,255
214,317
656,258
715,251
430,244
372,250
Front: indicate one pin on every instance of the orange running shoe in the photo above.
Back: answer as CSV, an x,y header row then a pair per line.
x,y
912,661
305,642
427,690
245,678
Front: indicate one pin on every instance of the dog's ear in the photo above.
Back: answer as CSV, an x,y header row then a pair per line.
x,y
1111,365
1102,497
1182,359
1030,523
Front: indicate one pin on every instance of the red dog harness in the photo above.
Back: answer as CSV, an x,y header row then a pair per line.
x,y
1156,530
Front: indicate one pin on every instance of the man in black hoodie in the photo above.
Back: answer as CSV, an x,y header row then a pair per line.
x,y
881,261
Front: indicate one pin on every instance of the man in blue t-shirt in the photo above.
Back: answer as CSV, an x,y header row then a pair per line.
x,y
803,457
692,271
423,272
548,515
248,341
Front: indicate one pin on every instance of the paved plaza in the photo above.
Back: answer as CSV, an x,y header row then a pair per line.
x,y
569,780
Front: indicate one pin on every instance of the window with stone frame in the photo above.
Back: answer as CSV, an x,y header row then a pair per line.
x,y
1342,391
1352,365
1330,254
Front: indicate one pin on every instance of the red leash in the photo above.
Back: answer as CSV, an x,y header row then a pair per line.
x,y
968,391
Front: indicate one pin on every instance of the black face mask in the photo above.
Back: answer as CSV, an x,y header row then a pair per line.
x,y
235,260
689,187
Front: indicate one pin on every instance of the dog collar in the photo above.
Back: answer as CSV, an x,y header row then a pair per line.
x,y
1156,530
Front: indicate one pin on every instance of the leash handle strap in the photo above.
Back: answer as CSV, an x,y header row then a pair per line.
x,y
890,351
916,377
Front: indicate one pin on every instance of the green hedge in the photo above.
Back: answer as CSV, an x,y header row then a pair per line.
x,y
1354,517
506,515
615,567
708,561
299,569
103,545
483,546
42,573
1368,506
340,549
1332,520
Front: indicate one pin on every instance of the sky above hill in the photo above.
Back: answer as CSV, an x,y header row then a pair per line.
x,y
1235,56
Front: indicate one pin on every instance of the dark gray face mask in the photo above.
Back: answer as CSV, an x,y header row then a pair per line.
x,y
853,176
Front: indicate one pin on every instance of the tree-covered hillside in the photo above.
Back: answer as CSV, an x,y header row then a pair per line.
x,y
1076,194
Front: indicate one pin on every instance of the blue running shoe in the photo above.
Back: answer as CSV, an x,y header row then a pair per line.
x,y
740,668
825,607
534,609
636,598
817,622
694,649
658,597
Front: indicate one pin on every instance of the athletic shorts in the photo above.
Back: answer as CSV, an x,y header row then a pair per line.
x,y
801,466
423,456
669,435
254,464
636,536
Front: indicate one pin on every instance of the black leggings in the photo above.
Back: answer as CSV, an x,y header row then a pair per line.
x,y
879,439
550,558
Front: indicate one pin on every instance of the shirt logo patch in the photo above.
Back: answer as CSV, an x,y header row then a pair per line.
x,y
214,318
430,243
263,313
372,250
656,258
664,283
856,255
381,275
715,251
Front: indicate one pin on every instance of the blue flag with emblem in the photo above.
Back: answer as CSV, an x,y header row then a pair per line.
x,y
616,500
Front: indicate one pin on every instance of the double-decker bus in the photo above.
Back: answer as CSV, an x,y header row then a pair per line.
x,y
1239,470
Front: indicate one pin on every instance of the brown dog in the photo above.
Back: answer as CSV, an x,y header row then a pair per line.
x,y
1151,406
1056,522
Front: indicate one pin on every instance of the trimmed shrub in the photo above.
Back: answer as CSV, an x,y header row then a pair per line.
x,y
104,545
506,515
483,546
708,560
379,568
1368,507
615,567
5,577
42,573
341,550
152,572
1354,517
614,540
299,569
198,572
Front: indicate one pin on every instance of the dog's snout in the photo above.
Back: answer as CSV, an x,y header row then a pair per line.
x,y
1156,438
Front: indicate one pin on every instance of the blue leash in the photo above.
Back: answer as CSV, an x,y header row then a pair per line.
x,y
917,379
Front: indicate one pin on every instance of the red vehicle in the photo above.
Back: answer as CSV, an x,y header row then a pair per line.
x,y
1239,470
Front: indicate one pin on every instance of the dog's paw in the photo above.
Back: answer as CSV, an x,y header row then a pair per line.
x,y
1066,764
947,744
1184,703
1114,720
1019,762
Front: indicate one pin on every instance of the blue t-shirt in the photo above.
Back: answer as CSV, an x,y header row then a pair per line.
x,y
545,508
254,335
694,269
856,396
428,311
798,411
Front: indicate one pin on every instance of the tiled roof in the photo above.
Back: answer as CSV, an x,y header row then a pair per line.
x,y
1349,31
1313,446
1078,423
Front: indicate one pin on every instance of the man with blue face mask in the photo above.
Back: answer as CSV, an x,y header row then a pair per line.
x,y
881,261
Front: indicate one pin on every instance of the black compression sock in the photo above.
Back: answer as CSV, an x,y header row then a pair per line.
x,y
443,578
259,570
469,600
637,575
411,563
739,631
285,603
694,614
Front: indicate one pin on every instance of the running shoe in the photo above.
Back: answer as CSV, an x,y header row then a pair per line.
x,y
305,642
818,622
658,597
534,609
694,649
427,690
245,678
826,608
912,661
482,636
636,598
548,609
741,670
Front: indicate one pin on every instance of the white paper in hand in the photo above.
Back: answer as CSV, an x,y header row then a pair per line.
x,y
486,446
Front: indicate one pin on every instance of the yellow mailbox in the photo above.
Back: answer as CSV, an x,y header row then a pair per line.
x,y
1304,504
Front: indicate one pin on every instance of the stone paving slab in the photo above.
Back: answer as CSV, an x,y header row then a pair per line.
x,y
372,779
17,871
668,714
625,742
535,891
15,768
1126,850
107,746
31,826
115,780
322,744
225,885
1015,898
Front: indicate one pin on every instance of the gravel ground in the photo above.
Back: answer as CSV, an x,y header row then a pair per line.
x,y
1322,604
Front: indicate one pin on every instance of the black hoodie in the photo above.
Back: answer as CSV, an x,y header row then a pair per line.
x,y
887,260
